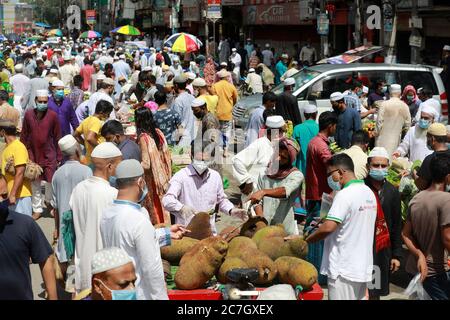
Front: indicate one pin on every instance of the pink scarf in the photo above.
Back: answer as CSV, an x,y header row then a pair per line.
x,y
276,172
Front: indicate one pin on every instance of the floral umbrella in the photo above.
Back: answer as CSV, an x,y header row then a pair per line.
x,y
55,32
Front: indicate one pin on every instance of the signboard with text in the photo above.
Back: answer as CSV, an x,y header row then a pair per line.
x,y
214,11
91,16
276,14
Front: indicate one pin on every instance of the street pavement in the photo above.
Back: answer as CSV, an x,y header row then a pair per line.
x,y
400,279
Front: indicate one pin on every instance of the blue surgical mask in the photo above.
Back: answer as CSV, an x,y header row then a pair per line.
x,y
112,181
144,194
121,294
41,106
359,93
378,174
335,185
59,94
424,124
384,89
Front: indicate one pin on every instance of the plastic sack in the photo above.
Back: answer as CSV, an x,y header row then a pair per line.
x,y
278,292
415,290
325,206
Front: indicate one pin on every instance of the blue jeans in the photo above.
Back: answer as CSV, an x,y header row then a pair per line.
x,y
23,205
438,286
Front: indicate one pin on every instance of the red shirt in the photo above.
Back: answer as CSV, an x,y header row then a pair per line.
x,y
41,139
86,72
49,54
316,167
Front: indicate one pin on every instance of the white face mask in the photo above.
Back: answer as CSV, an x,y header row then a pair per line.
x,y
200,166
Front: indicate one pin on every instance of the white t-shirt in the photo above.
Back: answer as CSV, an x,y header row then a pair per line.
x,y
348,251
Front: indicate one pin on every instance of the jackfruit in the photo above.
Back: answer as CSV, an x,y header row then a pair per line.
x,y
237,244
200,263
200,226
252,225
269,232
276,247
177,249
295,271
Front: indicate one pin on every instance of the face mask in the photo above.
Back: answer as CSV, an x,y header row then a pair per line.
x,y
112,181
41,106
144,194
121,294
409,98
334,185
199,166
59,94
378,174
359,93
384,89
196,93
424,124
447,188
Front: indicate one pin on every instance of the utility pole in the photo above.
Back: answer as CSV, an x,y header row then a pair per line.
x,y
323,38
415,34
390,30
357,23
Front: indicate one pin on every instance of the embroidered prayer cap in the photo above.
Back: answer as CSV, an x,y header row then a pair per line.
x,y
199,82
395,88
67,142
198,103
42,93
275,122
108,259
310,108
336,96
427,107
106,150
379,152
289,82
437,129
58,83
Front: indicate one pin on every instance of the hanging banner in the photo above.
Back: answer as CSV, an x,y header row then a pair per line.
x,y
323,24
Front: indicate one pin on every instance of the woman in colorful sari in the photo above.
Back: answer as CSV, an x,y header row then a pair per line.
x,y
209,71
157,164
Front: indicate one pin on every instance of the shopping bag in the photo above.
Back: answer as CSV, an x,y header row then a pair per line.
x,y
415,290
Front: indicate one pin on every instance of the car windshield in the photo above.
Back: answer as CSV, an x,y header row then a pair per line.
x,y
303,76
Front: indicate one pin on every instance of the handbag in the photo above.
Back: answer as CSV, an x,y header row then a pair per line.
x,y
32,170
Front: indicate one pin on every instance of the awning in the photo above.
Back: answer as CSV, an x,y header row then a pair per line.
x,y
352,55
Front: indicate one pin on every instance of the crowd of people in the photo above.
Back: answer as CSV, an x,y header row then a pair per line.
x,y
89,131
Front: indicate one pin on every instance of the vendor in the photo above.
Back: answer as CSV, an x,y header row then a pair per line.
x,y
198,188
278,187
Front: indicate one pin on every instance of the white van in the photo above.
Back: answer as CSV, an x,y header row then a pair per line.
x,y
316,84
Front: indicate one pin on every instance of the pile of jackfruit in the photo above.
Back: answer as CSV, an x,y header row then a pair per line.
x,y
265,248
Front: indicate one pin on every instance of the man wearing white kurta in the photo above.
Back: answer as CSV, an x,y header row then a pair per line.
x,y
348,231
414,144
88,201
253,160
126,226
236,59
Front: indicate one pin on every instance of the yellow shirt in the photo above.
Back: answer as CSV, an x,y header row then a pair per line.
x,y
10,64
211,102
93,124
19,152
228,95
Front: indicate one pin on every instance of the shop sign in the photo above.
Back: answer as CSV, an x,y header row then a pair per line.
x,y
91,16
280,14
214,11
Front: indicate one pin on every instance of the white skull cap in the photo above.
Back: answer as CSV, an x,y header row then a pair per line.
x,y
108,259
